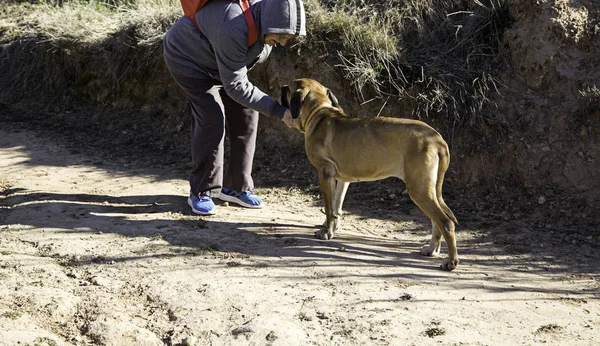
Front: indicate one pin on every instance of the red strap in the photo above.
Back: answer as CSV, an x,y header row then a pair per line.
x,y
190,7
193,18
252,30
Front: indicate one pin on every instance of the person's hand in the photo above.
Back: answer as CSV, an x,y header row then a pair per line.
x,y
287,118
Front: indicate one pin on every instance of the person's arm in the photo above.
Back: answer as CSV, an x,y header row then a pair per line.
x,y
230,53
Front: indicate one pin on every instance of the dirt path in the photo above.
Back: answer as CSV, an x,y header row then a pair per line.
x,y
95,252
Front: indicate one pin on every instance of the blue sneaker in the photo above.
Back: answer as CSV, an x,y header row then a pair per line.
x,y
202,205
246,199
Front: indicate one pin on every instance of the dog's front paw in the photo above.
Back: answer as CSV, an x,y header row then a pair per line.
x,y
324,234
449,264
430,251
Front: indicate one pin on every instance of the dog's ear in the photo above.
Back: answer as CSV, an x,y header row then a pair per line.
x,y
296,104
333,99
285,91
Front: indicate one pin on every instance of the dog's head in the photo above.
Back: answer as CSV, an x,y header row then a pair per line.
x,y
304,96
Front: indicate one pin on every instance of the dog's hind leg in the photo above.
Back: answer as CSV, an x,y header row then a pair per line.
x,y
435,244
450,236
341,188
422,191
442,226
327,183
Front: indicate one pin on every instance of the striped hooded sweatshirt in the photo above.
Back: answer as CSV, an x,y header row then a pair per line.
x,y
220,50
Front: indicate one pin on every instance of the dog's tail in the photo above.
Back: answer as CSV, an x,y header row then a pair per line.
x,y
444,162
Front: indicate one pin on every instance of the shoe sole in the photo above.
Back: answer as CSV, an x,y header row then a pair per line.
x,y
198,211
232,199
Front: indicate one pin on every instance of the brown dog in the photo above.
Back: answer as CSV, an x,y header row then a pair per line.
x,y
344,149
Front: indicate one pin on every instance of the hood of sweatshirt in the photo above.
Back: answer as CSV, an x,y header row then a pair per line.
x,y
282,17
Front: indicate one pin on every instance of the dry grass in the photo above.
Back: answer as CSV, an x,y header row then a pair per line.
x,y
446,58
49,46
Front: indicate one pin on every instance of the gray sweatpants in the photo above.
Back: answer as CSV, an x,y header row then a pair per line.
x,y
215,115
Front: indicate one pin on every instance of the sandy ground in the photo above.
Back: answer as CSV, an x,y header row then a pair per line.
x,y
101,252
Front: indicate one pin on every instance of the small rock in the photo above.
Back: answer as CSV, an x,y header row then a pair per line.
x,y
541,200
189,341
74,275
322,316
406,296
172,316
271,336
98,281
241,330
392,196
